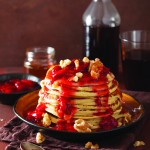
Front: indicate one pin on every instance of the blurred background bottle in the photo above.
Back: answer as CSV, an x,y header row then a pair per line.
x,y
101,22
38,60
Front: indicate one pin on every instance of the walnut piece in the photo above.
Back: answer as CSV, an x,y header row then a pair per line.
x,y
79,74
46,120
138,143
95,68
90,145
75,79
94,74
96,146
64,63
82,126
86,60
39,138
76,62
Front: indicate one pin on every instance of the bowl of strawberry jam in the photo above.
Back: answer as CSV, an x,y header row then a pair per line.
x,y
15,85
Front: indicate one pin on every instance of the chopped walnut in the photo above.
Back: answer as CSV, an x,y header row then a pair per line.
x,y
90,145
96,146
79,74
46,120
82,126
61,63
39,138
64,63
95,68
139,143
94,74
75,79
76,62
86,60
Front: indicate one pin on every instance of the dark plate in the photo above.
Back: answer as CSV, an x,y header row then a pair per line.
x,y
30,101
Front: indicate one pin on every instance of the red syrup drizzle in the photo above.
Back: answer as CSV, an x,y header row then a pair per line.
x,y
35,115
66,109
64,125
102,91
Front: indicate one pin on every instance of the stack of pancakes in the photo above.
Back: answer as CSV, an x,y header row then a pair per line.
x,y
82,89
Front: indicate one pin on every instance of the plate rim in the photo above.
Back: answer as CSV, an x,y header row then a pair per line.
x,y
80,133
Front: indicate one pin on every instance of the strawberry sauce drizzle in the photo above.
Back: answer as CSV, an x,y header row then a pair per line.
x,y
35,115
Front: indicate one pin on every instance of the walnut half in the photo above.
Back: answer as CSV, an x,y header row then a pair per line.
x,y
95,68
82,126
90,145
46,120
39,138
138,143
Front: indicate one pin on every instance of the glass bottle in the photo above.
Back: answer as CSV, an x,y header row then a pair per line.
x,y
101,22
38,60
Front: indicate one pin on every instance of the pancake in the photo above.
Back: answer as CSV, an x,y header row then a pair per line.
x,y
81,96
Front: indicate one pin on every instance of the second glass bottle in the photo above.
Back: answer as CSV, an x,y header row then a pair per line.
x,y
101,22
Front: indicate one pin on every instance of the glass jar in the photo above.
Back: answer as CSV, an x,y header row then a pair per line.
x,y
101,22
38,60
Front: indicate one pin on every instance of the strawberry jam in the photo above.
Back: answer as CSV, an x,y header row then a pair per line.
x,y
35,115
63,125
17,85
108,123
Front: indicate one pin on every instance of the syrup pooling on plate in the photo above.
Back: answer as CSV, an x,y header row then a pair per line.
x,y
80,96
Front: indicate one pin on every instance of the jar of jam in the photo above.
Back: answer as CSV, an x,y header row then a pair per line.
x,y
38,60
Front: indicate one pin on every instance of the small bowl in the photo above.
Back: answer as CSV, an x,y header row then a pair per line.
x,y
11,97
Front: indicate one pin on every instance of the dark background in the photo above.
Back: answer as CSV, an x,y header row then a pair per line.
x,y
57,23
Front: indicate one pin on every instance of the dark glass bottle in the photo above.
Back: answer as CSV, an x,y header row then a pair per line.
x,y
101,22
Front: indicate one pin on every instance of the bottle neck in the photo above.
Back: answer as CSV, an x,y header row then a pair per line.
x,y
111,15
106,0
102,0
96,0
101,12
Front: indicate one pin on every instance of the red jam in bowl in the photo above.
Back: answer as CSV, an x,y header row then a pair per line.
x,y
17,85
